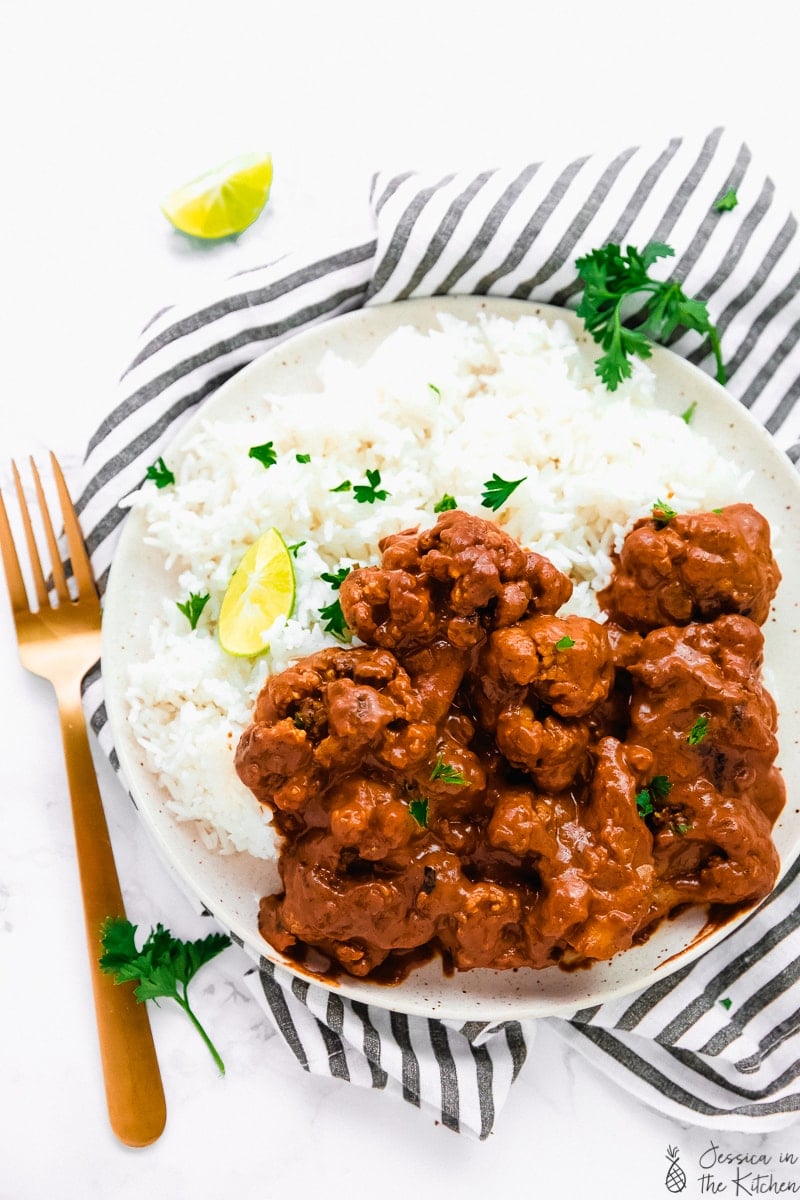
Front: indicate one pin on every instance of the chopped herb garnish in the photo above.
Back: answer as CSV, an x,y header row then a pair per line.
x,y
726,1003
716,510
610,279
644,803
193,607
688,413
727,202
565,643
303,458
419,810
331,614
446,504
264,454
681,829
662,513
436,391
344,486
333,620
448,774
498,490
295,546
160,474
337,579
698,731
660,787
369,492
657,790
165,965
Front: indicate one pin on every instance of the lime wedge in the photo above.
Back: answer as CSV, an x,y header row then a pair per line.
x,y
261,589
223,201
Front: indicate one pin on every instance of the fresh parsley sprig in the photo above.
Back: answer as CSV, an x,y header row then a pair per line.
x,y
447,773
699,730
663,513
193,607
160,474
610,278
369,492
418,807
565,643
336,578
497,491
727,202
656,791
331,614
164,967
264,454
446,504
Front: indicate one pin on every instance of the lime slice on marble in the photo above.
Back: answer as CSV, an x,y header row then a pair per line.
x,y
223,201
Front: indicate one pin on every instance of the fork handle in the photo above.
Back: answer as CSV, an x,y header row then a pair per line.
x,y
134,1091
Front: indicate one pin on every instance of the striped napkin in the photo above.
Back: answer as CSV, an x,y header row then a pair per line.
x,y
718,1041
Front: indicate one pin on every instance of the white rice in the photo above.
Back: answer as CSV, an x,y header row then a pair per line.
x,y
515,398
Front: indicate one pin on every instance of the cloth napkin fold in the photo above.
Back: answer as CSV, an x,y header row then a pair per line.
x,y
516,231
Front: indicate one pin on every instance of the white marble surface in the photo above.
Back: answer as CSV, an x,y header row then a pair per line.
x,y
103,110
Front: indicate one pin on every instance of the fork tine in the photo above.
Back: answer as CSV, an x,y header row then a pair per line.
x,y
81,567
33,551
16,584
59,579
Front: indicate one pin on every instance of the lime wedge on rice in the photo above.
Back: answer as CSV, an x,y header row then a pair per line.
x,y
223,201
260,590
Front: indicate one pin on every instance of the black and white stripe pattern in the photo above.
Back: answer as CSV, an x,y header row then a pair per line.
x,y
462,1071
516,231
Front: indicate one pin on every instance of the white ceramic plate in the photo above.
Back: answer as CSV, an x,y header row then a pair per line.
x,y
231,886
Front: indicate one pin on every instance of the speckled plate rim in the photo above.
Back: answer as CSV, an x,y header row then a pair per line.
x,y
230,886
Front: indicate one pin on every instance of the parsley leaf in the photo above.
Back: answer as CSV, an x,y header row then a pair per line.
x,y
448,774
657,790
688,413
497,490
644,803
610,278
165,966
369,492
303,458
264,454
446,504
419,810
660,787
698,731
331,614
726,1003
344,486
337,579
160,474
193,607
436,391
662,513
565,643
727,202
295,546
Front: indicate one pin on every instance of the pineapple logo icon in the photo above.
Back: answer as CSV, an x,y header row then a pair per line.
x,y
676,1176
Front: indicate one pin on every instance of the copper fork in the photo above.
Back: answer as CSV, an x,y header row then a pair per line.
x,y
60,642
